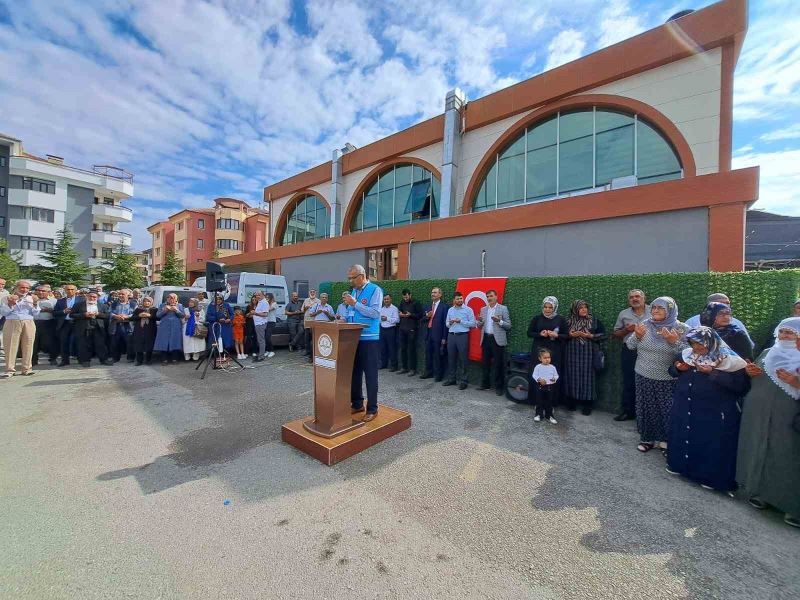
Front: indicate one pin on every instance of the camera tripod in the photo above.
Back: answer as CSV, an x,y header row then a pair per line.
x,y
217,350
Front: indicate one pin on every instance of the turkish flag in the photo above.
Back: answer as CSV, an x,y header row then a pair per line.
x,y
474,290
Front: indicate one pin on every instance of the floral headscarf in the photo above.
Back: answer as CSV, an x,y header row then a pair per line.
x,y
719,355
670,321
550,300
709,316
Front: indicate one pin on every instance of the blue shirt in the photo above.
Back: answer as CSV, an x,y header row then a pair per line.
x,y
466,315
341,311
23,310
325,313
367,310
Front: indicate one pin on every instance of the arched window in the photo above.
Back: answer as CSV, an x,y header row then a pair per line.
x,y
310,220
399,195
575,152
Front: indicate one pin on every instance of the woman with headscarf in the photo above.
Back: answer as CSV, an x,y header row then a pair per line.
x,y
706,410
192,345
768,469
718,316
220,312
656,340
144,331
250,341
169,339
548,330
583,333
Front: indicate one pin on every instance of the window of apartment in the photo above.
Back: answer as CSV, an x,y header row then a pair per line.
x,y
158,251
201,244
96,200
107,253
201,223
158,235
39,185
34,243
109,201
108,227
179,226
3,161
2,221
179,245
45,215
94,252
228,244
2,191
228,224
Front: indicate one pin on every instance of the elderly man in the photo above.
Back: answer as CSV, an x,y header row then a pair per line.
x,y
627,320
46,339
495,323
433,323
364,306
91,321
19,309
65,322
390,317
120,327
308,304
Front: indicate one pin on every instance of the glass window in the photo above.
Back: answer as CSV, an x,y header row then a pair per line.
x,y
399,195
108,201
39,185
2,221
309,220
579,150
38,244
229,224
3,161
201,244
228,244
108,252
201,223
2,191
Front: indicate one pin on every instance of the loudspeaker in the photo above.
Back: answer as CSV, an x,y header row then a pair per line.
x,y
215,276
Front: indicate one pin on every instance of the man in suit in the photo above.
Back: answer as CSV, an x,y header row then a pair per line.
x,y
495,323
65,321
91,322
410,315
433,323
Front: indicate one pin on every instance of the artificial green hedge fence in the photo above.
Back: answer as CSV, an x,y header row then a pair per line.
x,y
760,299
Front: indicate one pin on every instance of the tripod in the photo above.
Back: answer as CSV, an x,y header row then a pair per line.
x,y
217,350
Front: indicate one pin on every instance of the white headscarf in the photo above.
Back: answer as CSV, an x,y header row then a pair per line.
x,y
780,357
552,300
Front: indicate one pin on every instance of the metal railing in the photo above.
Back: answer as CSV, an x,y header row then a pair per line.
x,y
105,170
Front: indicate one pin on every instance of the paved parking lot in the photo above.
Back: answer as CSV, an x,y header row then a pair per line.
x,y
140,482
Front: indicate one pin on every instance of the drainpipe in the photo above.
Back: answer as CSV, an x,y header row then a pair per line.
x,y
411,241
451,150
483,263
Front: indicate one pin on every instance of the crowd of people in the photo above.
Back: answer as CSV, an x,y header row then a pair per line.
x,y
720,415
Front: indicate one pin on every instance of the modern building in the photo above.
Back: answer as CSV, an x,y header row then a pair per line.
x,y
772,241
196,235
617,162
39,196
144,262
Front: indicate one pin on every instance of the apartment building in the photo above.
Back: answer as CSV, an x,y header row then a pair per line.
x,y
196,235
39,196
144,263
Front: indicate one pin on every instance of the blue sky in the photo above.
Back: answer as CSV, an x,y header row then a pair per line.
x,y
220,98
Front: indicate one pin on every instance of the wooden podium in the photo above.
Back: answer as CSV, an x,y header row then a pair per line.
x,y
333,433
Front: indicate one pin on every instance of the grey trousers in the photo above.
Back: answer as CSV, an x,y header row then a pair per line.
x,y
295,333
457,348
261,338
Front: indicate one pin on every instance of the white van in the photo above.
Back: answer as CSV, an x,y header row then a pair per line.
x,y
239,288
159,293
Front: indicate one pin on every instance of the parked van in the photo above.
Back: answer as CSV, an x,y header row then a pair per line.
x,y
239,288
159,293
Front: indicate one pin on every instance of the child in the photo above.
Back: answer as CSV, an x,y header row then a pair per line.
x,y
545,376
238,333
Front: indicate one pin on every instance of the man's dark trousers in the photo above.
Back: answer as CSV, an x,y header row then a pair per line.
x,y
628,380
388,339
92,341
45,340
120,342
368,355
408,349
435,359
457,347
67,338
492,351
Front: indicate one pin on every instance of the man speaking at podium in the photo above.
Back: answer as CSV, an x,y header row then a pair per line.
x,y
364,306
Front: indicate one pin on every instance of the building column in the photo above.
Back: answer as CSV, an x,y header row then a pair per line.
x,y
337,190
726,233
451,151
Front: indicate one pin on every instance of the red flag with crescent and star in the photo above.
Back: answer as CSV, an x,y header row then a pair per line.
x,y
474,290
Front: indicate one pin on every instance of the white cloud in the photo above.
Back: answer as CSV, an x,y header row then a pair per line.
x,y
791,132
779,189
617,23
565,47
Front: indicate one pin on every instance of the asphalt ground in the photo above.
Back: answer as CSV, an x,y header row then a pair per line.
x,y
145,482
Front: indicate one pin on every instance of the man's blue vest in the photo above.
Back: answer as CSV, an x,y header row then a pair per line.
x,y
373,326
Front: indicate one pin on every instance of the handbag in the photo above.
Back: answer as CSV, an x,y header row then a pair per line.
x,y
200,331
598,358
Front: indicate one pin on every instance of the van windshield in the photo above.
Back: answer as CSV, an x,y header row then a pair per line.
x,y
278,292
183,296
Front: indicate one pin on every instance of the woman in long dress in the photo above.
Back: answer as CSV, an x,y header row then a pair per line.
x,y
169,339
144,331
220,312
250,341
706,410
193,315
579,375
657,340
768,468
548,330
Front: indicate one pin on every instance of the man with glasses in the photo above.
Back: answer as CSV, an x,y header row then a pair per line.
x,y
364,306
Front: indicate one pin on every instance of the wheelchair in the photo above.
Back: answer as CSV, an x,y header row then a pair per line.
x,y
518,377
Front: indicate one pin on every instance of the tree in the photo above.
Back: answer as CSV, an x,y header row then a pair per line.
x,y
172,273
66,263
121,271
9,264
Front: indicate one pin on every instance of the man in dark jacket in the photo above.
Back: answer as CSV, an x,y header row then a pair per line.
x,y
65,321
91,322
410,315
433,322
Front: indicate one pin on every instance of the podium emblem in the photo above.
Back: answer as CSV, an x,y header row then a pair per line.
x,y
325,345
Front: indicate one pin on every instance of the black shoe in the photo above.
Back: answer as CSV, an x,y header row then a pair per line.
x,y
425,376
107,362
138,363
500,392
449,383
462,386
63,363
586,410
437,379
483,387
403,371
86,364
412,373
623,416
393,370
53,361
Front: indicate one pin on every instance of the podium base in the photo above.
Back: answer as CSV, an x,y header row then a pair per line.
x,y
311,425
330,451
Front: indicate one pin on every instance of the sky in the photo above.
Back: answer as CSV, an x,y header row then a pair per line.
x,y
201,99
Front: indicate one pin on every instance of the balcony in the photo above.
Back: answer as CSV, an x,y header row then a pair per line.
x,y
113,212
111,238
100,177
26,227
96,262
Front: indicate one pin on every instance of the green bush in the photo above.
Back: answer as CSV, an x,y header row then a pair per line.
x,y
760,299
